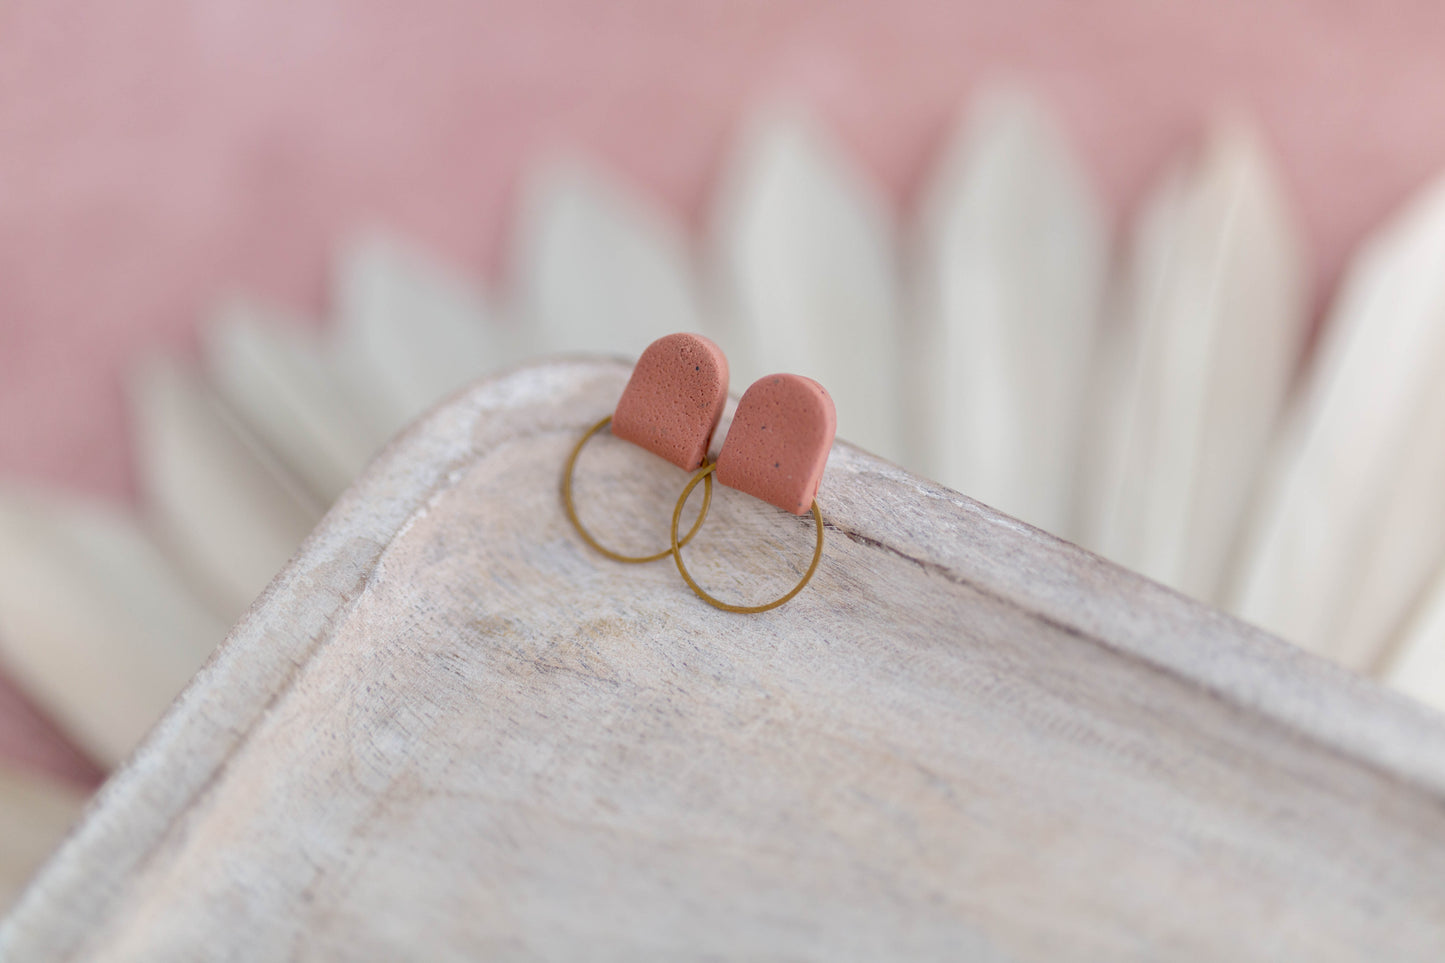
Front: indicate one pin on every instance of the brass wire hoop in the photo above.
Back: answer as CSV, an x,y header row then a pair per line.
x,y
587,536
706,474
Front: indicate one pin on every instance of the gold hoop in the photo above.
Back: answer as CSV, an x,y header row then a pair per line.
x,y
587,536
706,474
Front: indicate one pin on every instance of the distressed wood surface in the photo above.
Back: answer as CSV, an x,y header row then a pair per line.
x,y
449,731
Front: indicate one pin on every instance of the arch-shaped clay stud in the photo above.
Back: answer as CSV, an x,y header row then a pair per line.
x,y
779,442
673,400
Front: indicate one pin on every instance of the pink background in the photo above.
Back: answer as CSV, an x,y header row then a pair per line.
x,y
154,154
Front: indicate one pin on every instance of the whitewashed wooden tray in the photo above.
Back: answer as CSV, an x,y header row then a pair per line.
x,y
449,731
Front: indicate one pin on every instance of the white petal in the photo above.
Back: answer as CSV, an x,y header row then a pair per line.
x,y
231,512
806,262
94,621
1352,525
1014,255
35,813
598,269
410,332
1417,665
1210,326
271,370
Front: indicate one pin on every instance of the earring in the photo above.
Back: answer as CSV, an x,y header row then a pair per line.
x,y
775,450
671,406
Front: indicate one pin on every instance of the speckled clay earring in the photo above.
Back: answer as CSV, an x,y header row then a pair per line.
x,y
671,407
775,450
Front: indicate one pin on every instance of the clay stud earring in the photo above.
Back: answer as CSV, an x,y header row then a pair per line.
x,y
671,406
775,450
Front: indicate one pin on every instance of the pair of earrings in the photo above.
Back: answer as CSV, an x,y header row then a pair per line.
x,y
775,450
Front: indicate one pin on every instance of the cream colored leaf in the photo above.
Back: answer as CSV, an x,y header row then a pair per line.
x,y
410,332
1351,526
231,512
35,814
272,371
806,264
1013,258
1193,378
95,622
1416,664
598,269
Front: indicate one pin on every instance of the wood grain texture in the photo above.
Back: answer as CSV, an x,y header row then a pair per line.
x,y
449,731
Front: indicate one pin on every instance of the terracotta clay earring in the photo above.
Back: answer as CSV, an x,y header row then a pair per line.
x,y
671,407
775,450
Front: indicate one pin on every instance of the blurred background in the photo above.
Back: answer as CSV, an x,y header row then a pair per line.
x,y
1167,279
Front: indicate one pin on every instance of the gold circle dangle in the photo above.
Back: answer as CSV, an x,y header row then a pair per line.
x,y
587,536
705,475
